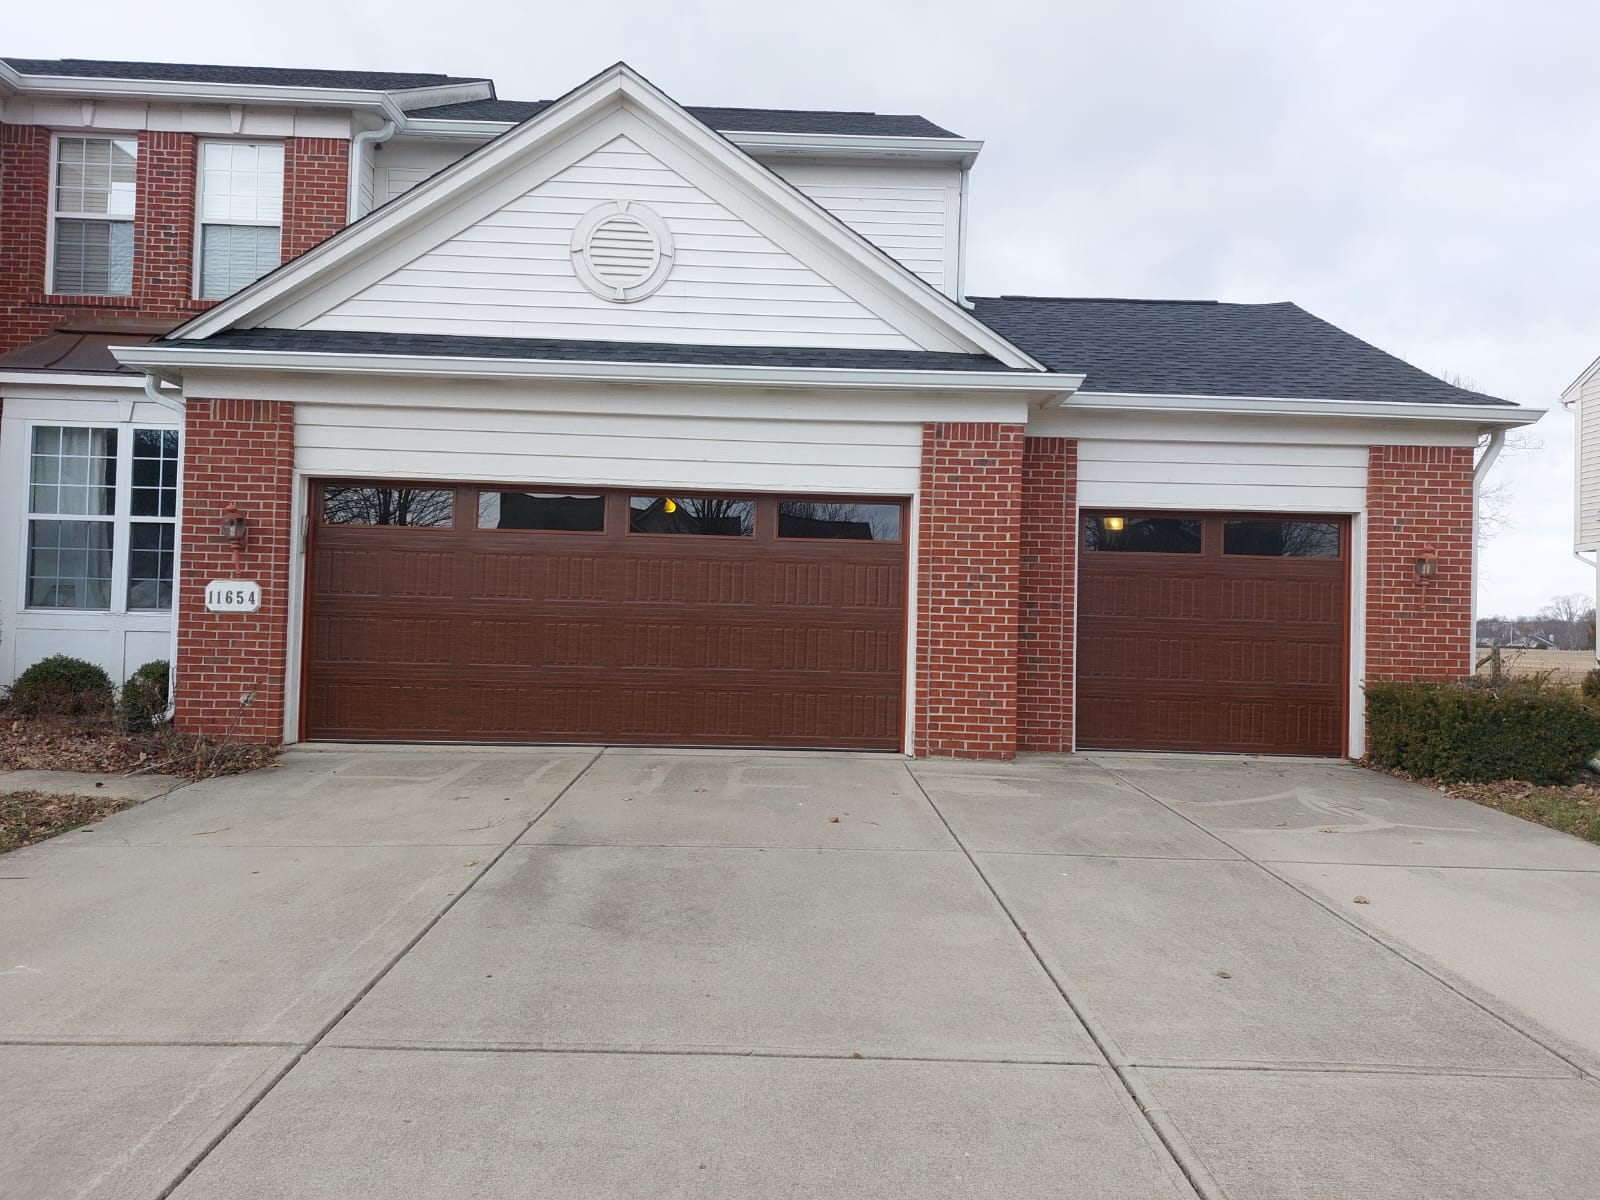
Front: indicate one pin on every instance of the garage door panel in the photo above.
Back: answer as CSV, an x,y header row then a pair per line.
x,y
520,635
1210,651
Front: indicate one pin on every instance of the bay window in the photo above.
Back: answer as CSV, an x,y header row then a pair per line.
x,y
241,214
92,197
102,517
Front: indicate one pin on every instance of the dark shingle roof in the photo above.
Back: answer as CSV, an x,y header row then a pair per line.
x,y
328,341
377,81
726,120
1206,348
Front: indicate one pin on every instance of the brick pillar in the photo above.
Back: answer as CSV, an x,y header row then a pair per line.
x,y
164,251
1046,608
240,451
316,173
967,590
1419,499
24,197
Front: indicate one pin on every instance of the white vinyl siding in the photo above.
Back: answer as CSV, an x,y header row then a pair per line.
x,y
93,194
910,213
241,214
1588,489
1265,477
511,274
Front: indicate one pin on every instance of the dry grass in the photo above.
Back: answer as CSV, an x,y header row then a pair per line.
x,y
1574,809
29,817
1562,666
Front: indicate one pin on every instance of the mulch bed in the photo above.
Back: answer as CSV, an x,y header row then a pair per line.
x,y
29,817
102,748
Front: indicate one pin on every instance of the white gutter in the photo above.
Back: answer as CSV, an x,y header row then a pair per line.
x,y
1270,406
152,389
358,156
1497,443
169,362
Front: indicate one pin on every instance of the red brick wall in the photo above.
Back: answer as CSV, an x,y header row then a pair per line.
x,y
1048,594
240,451
315,170
1419,499
967,575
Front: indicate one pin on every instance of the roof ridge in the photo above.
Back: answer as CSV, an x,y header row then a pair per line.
x,y
1133,300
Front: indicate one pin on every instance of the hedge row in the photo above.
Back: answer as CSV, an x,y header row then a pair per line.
x,y
1474,731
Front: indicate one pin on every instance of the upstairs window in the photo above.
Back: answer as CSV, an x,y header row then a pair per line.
x,y
92,204
241,214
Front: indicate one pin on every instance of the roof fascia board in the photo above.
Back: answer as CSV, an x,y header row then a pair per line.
x,y
167,362
619,86
1267,406
37,379
1569,394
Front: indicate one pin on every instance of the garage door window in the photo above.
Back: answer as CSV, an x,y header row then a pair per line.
x,y
718,516
426,507
838,519
553,512
1142,535
1281,539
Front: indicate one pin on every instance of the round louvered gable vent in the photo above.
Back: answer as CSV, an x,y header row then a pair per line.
x,y
622,251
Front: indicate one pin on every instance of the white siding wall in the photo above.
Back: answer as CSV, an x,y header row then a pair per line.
x,y
1587,415
1266,476
911,213
510,274
402,164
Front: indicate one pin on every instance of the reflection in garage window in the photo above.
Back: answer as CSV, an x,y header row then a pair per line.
x,y
541,510
1282,539
387,506
720,516
1146,535
838,519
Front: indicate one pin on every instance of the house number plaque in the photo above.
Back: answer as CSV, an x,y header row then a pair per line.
x,y
233,595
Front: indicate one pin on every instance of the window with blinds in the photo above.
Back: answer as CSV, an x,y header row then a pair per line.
x,y
241,214
92,204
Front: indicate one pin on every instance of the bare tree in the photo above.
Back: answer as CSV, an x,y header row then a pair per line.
x,y
387,506
1494,498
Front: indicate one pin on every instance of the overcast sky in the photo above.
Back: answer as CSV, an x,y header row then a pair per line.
x,y
1421,173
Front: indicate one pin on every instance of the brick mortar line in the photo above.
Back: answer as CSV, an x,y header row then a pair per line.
x,y
1183,1156
361,994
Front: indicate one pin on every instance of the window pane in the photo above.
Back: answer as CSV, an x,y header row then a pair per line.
x,y
150,566
719,516
541,510
93,258
432,507
1282,539
69,564
155,473
73,471
96,175
1147,535
241,183
839,519
232,256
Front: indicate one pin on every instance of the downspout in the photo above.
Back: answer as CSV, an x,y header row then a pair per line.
x,y
174,403
358,156
961,238
1497,443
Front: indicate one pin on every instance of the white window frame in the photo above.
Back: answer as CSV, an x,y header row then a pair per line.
x,y
200,221
121,519
53,214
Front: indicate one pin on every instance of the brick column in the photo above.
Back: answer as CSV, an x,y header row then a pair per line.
x,y
967,590
1047,601
231,666
1419,500
24,201
164,249
316,173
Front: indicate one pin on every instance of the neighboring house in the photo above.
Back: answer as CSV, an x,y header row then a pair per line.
x,y
1582,400
616,421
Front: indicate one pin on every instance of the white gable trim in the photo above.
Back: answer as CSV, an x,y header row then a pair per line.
x,y
891,290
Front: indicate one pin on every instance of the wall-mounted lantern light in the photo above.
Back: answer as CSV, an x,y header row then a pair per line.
x,y
235,529
1427,566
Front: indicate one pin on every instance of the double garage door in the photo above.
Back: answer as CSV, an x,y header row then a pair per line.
x,y
475,614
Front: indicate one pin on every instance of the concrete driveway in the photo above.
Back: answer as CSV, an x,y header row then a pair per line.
x,y
563,973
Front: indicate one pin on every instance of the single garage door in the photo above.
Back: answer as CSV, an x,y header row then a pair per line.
x,y
546,615
1212,632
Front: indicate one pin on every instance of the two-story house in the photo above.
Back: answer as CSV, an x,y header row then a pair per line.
x,y
434,416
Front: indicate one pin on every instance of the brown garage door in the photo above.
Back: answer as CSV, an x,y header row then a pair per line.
x,y
468,614
1212,633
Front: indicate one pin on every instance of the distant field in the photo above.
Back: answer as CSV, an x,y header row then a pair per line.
x,y
1568,666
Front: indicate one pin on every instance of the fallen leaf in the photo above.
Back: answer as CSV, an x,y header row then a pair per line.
x,y
699,789
1362,900
1327,829
833,820
1224,975
855,1054
1282,824
474,862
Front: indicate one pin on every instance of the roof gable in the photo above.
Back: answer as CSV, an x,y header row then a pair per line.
x,y
758,263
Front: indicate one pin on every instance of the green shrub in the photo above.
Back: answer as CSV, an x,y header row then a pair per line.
x,y
61,686
144,695
1591,685
1471,731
